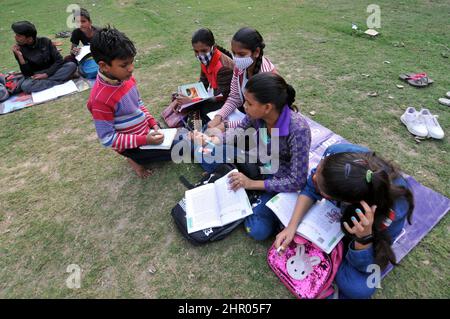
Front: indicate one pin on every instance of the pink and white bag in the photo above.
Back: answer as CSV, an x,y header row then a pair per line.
x,y
306,270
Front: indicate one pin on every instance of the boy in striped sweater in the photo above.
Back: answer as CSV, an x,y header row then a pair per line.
x,y
122,121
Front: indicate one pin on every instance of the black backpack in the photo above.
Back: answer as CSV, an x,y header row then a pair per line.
x,y
211,234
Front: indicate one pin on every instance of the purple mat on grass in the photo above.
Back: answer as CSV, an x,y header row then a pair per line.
x,y
430,206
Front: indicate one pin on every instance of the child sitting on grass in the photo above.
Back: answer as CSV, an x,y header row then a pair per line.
x,y
121,119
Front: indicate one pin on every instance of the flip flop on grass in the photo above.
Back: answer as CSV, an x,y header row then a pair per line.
x,y
416,79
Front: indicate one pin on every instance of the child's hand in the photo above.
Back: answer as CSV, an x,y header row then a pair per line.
x,y
283,239
75,51
16,50
198,138
215,122
362,228
155,138
40,76
238,180
182,99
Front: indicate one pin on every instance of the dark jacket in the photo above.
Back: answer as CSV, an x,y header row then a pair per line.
x,y
40,57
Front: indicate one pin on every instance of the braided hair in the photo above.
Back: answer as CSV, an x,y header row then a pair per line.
x,y
344,179
205,35
251,39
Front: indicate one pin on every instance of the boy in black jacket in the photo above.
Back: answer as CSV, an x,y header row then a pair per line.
x,y
39,60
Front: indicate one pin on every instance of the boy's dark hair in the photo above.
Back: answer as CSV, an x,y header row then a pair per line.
x,y
268,87
109,44
251,39
344,179
25,28
205,35
82,13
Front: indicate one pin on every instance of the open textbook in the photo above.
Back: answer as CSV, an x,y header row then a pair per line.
x,y
54,92
169,136
214,205
196,91
321,225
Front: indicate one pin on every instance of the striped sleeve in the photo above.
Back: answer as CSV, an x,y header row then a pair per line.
x,y
104,125
150,119
234,98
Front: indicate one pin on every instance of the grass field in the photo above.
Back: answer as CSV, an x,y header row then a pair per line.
x,y
64,199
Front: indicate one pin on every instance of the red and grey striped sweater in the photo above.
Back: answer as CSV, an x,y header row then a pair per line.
x,y
120,117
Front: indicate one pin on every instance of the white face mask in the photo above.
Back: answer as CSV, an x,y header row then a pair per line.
x,y
243,63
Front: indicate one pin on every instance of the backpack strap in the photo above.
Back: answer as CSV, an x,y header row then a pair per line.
x,y
186,183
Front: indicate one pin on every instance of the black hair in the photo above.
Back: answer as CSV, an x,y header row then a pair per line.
x,y
109,44
25,28
344,179
268,87
82,12
251,39
205,35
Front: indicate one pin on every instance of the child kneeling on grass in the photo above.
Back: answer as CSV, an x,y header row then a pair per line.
x,y
376,201
121,119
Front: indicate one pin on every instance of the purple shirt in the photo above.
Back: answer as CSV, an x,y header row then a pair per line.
x,y
294,143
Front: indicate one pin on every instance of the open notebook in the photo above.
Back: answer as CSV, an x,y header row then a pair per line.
x,y
169,136
54,92
85,50
321,224
214,205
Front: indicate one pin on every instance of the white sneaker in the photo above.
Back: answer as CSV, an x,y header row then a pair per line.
x,y
433,127
448,94
444,101
414,123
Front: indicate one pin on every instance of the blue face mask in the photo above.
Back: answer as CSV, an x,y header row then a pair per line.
x,y
242,63
205,58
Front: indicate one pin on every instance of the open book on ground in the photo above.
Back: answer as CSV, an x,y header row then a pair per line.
x,y
54,92
321,225
214,205
195,91
169,136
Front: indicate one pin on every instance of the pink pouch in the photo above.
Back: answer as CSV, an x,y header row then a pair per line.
x,y
307,271
173,118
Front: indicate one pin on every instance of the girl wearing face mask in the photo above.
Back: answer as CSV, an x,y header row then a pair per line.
x,y
216,72
248,55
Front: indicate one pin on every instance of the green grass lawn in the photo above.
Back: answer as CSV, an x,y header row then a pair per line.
x,y
64,199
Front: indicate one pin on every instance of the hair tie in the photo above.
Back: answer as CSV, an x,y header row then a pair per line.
x,y
369,175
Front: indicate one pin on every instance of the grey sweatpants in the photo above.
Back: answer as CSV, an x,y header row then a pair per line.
x,y
63,74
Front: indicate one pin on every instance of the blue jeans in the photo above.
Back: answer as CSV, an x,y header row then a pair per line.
x,y
61,75
263,222
213,156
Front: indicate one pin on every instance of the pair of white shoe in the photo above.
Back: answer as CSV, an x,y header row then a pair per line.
x,y
445,101
423,123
